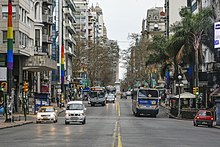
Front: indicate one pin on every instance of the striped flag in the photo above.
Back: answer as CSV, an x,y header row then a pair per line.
x,y
10,38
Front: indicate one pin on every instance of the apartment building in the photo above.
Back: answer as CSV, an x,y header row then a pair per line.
x,y
31,48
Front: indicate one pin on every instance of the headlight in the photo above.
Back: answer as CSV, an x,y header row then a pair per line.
x,y
82,114
140,106
67,115
38,115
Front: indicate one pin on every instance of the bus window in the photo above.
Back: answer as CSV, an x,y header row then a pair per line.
x,y
146,93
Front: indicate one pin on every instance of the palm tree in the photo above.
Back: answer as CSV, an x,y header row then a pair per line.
x,y
189,33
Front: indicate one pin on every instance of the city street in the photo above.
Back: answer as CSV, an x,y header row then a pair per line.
x,y
113,125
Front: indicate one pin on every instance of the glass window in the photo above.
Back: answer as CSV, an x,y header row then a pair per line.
x,y
46,109
148,93
5,39
74,107
5,12
37,37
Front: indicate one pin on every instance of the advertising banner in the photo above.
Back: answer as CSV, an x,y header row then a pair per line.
x,y
217,35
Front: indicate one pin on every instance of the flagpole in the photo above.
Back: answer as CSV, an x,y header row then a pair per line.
x,y
9,56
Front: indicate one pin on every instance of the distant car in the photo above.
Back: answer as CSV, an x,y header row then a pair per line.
x,y
75,112
46,114
110,98
203,117
123,95
128,93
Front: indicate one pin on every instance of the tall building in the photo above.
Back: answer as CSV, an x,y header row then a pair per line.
x,y
32,47
154,23
69,33
172,9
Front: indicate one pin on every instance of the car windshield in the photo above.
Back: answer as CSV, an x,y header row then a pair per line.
x,y
110,96
74,107
205,113
45,109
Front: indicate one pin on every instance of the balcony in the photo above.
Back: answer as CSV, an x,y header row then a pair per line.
x,y
69,26
69,13
47,18
49,2
46,38
71,4
38,50
69,50
39,63
68,37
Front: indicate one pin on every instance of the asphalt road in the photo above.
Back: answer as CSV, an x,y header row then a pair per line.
x,y
113,126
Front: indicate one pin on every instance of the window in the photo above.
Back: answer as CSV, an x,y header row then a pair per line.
x,y
5,39
37,37
5,12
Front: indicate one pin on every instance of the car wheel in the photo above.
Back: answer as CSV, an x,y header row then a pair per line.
x,y
66,123
37,122
210,126
84,121
194,124
137,114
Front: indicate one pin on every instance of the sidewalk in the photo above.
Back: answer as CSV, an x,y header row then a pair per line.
x,y
19,119
167,109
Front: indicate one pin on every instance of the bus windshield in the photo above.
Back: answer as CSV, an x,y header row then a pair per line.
x,y
94,94
148,93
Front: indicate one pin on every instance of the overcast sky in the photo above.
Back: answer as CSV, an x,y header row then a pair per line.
x,y
123,17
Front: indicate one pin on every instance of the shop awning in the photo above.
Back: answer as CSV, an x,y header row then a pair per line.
x,y
186,95
215,93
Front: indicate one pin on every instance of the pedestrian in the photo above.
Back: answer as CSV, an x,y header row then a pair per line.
x,y
57,99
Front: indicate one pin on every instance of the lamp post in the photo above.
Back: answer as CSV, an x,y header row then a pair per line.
x,y
179,84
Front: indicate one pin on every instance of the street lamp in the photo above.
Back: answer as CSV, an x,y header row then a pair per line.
x,y
179,86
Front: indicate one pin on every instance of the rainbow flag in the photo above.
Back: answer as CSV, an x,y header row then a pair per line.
x,y
62,64
10,38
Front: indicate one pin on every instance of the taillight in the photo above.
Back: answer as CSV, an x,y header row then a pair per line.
x,y
212,118
197,117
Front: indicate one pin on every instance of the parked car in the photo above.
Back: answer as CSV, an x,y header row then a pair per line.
x,y
110,98
46,114
203,117
75,112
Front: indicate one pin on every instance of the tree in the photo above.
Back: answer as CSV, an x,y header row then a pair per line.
x,y
189,33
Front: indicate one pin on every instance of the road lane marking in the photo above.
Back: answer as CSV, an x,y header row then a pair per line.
x,y
119,137
118,109
114,134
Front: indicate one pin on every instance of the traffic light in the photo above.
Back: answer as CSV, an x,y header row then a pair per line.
x,y
25,87
4,86
195,90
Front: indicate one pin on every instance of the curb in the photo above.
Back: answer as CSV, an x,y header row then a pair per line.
x,y
16,125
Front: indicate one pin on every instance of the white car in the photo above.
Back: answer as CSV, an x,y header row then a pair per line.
x,y
110,98
46,114
75,112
